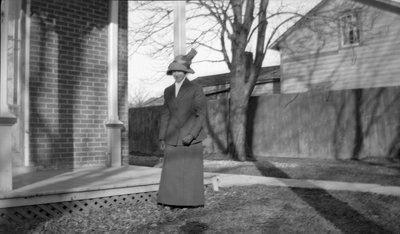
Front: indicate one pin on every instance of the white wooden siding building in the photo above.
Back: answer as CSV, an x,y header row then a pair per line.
x,y
342,44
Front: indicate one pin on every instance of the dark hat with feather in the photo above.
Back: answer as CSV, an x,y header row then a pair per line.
x,y
182,63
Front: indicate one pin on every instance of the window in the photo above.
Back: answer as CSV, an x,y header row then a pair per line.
x,y
350,29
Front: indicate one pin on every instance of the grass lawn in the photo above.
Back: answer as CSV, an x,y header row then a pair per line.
x,y
254,209
250,209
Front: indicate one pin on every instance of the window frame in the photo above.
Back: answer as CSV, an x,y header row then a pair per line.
x,y
356,13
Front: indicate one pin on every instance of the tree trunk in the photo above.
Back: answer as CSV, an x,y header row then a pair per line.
x,y
237,127
238,104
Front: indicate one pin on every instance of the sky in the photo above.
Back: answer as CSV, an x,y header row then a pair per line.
x,y
143,69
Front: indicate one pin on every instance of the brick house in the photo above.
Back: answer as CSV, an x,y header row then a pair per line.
x,y
342,45
63,84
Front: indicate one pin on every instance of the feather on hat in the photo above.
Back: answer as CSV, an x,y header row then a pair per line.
x,y
182,63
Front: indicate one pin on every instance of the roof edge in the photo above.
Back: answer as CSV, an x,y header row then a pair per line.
x,y
270,68
275,44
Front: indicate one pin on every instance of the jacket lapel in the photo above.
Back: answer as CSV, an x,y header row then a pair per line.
x,y
170,96
184,88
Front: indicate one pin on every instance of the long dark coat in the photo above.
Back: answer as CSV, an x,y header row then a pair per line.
x,y
182,175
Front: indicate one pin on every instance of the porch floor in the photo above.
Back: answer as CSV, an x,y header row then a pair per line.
x,y
85,183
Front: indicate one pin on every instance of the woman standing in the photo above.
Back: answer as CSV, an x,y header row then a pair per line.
x,y
181,134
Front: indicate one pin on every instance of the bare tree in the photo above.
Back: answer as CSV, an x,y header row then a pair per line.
x,y
137,98
244,33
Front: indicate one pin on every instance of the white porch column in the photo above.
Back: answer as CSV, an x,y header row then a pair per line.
x,y
179,28
25,69
6,118
113,124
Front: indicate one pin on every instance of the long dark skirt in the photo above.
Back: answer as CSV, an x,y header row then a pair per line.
x,y
182,181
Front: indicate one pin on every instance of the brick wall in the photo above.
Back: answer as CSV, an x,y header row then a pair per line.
x,y
68,83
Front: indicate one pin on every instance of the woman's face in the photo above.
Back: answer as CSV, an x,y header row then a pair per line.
x,y
178,75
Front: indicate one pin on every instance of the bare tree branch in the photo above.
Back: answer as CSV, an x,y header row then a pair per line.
x,y
210,61
137,97
248,16
224,51
276,29
260,54
237,12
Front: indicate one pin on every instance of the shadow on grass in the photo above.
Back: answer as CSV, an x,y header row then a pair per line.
x,y
390,163
337,212
267,171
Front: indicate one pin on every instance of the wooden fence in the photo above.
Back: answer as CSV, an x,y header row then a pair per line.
x,y
336,124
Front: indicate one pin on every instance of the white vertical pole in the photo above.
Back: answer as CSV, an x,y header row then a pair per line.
x,y
25,89
113,124
17,49
4,56
6,119
179,28
113,62
17,130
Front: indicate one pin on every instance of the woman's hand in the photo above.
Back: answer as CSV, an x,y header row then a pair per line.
x,y
187,140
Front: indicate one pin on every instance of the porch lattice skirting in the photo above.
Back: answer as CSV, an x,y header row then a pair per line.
x,y
46,211
81,191
22,214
